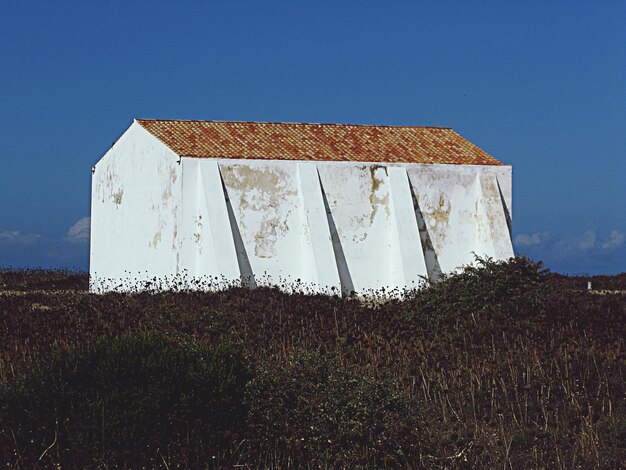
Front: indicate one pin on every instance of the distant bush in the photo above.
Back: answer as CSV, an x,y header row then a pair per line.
x,y
126,396
24,279
598,282
316,414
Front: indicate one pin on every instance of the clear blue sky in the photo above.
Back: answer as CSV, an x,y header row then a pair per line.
x,y
539,85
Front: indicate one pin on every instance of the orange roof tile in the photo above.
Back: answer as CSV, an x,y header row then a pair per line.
x,y
322,142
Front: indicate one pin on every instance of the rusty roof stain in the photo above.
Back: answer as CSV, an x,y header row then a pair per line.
x,y
318,142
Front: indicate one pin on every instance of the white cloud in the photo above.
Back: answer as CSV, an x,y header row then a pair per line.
x,y
524,239
29,249
615,240
588,240
582,252
9,235
17,237
574,245
79,232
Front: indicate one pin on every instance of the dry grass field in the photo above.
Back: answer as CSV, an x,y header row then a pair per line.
x,y
504,365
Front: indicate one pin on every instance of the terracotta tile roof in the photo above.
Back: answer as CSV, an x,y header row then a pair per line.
x,y
322,142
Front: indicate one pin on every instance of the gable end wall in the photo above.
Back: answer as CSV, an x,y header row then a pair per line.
x,y
135,208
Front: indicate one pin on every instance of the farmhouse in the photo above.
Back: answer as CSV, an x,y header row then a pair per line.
x,y
330,208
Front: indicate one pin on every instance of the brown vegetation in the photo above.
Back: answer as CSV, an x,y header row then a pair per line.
x,y
501,366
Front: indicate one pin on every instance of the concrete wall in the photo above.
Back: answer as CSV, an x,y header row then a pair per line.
x,y
135,213
320,226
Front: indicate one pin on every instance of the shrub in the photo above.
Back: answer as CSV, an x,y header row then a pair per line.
x,y
313,413
132,394
515,287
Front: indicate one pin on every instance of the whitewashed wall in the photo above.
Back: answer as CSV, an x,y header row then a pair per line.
x,y
326,227
135,213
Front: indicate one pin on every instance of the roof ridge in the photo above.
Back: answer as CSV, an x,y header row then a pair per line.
x,y
296,123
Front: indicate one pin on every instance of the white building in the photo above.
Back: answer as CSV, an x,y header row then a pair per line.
x,y
332,208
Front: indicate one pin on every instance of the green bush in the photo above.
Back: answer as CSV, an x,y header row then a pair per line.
x,y
128,395
313,413
515,287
